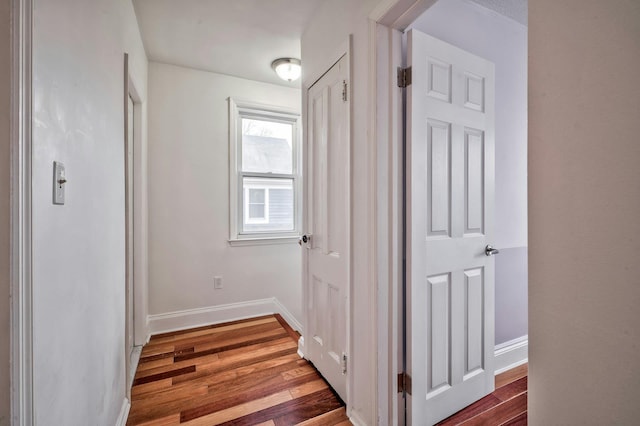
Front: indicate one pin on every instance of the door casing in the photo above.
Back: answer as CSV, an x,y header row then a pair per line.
x,y
140,216
137,254
386,24
22,409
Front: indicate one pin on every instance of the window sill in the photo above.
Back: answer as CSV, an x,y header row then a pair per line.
x,y
262,241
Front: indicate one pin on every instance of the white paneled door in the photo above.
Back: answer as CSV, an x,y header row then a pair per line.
x,y
450,198
327,215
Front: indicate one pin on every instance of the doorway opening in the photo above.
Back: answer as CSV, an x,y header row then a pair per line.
x,y
227,158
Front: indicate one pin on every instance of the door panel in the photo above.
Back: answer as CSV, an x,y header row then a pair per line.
x,y
474,181
439,178
473,299
439,336
327,217
450,183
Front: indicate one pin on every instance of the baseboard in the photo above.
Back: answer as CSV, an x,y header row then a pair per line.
x,y
133,363
511,354
288,317
124,413
301,346
180,320
355,418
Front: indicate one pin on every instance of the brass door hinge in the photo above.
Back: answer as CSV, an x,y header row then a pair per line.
x,y
344,90
404,77
404,383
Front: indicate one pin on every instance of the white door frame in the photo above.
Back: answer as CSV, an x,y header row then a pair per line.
x,y
132,89
386,23
140,220
140,212
133,253
22,412
314,75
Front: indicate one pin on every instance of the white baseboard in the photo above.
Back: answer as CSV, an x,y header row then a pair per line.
x,y
133,363
124,413
301,347
355,418
511,354
180,320
288,317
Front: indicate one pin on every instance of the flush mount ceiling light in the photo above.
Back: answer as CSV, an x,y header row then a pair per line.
x,y
287,69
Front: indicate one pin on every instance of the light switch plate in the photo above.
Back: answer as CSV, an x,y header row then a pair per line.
x,y
217,282
59,182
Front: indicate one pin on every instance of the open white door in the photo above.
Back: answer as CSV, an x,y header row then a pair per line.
x,y
450,199
327,215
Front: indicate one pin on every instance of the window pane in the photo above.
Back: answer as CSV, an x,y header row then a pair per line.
x,y
268,205
267,146
256,211
256,195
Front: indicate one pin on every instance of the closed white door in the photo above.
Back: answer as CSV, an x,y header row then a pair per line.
x,y
450,198
327,221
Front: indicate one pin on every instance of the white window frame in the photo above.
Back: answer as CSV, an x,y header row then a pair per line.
x,y
239,109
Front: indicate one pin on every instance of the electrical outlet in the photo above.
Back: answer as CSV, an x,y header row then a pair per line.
x,y
217,282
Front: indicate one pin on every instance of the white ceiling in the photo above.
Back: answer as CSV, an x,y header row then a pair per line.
x,y
242,37
234,37
514,9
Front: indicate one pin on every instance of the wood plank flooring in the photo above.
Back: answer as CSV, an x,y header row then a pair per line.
x,y
244,372
507,405
247,372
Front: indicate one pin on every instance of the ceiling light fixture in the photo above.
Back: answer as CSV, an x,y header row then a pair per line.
x,y
288,69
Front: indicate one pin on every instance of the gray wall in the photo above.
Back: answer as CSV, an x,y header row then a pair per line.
x,y
504,42
5,84
511,294
584,203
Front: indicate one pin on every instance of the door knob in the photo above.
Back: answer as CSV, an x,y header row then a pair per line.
x,y
306,238
490,251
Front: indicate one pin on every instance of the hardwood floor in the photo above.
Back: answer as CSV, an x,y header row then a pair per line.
x,y
239,373
248,373
507,405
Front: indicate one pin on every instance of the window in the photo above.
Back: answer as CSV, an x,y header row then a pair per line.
x,y
264,172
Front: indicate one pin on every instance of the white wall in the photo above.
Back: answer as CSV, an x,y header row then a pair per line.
x,y
328,30
189,198
503,41
584,204
5,232
78,248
